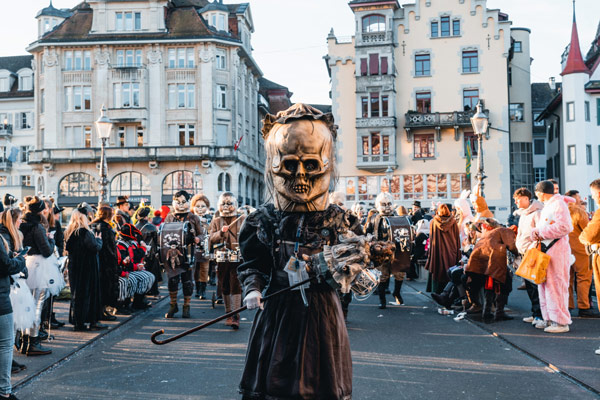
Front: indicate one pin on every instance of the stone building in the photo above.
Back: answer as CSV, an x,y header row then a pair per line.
x,y
17,122
404,88
572,118
179,83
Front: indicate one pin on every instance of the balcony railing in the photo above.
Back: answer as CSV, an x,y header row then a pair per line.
x,y
377,122
439,119
71,77
181,75
375,162
128,74
145,153
6,130
368,38
5,165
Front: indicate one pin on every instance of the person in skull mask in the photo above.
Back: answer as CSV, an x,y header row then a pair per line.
x,y
295,351
224,231
181,213
378,226
200,204
150,237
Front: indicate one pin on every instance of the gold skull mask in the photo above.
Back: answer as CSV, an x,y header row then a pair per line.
x,y
299,158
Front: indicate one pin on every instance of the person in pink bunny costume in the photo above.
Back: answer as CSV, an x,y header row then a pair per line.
x,y
553,230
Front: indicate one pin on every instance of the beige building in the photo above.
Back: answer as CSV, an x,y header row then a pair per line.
x,y
403,90
179,83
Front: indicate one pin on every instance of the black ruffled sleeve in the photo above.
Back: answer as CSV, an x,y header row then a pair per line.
x,y
255,271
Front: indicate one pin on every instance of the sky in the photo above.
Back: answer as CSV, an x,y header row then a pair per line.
x,y
290,35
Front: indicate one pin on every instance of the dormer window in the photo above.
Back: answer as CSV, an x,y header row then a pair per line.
x,y
128,21
217,21
25,82
4,86
373,23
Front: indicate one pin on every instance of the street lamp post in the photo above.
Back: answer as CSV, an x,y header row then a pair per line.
x,y
197,179
389,174
103,126
480,123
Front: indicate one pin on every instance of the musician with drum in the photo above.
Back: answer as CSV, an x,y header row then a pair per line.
x,y
223,239
190,226
387,226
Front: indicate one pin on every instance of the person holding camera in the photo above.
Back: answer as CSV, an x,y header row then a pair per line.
x,y
84,272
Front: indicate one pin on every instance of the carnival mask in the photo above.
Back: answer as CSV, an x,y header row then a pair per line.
x,y
300,166
227,206
200,208
181,205
384,204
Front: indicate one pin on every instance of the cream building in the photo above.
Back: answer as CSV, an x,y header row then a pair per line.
x,y
179,83
17,123
403,90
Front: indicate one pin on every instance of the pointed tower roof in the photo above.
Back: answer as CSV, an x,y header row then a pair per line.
x,y
575,62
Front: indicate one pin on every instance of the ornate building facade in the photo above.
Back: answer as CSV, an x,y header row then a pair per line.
x,y
403,90
17,122
572,119
180,85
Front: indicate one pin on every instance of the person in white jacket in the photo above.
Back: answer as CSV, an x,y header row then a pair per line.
x,y
529,214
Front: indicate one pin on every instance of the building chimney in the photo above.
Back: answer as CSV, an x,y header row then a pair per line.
x,y
552,83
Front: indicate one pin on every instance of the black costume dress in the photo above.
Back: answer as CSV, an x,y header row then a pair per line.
x,y
109,266
84,278
294,352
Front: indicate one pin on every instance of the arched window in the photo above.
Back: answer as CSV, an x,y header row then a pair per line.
x,y
224,182
132,184
76,188
373,23
176,181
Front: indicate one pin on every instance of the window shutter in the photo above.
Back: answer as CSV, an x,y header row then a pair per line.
x,y
384,66
374,64
363,66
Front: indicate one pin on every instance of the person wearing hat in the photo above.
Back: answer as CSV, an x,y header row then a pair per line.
x,y
9,200
182,213
44,276
553,231
416,212
150,238
122,212
131,259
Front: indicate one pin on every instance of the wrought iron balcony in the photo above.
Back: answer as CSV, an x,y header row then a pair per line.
x,y
5,165
439,119
6,130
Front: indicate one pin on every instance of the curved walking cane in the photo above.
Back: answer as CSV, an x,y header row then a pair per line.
x,y
154,336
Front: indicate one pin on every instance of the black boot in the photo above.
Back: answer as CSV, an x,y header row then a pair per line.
x,y
488,316
42,334
397,295
21,341
16,367
444,299
139,302
201,291
54,323
500,314
381,291
198,290
35,347
172,310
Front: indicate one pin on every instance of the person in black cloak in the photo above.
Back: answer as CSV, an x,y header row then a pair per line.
x,y
298,346
108,262
84,272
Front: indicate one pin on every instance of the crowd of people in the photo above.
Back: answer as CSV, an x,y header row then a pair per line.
x,y
471,257
107,260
